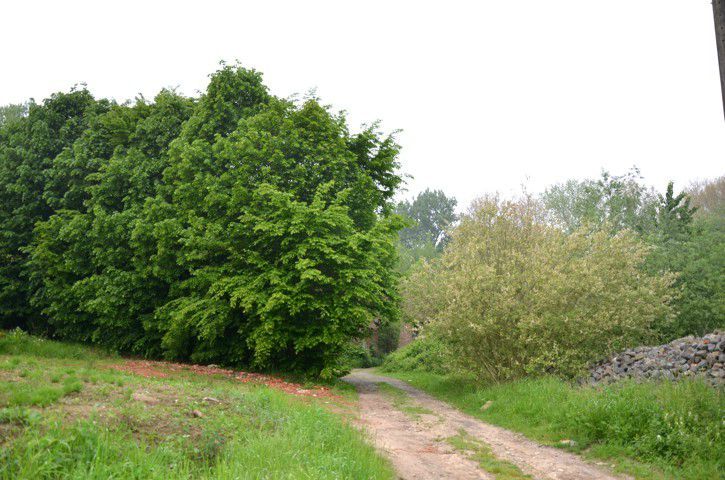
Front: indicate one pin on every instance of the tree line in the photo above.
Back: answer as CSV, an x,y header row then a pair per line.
x,y
245,229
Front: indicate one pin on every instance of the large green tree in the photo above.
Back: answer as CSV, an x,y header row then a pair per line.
x,y
431,214
282,232
236,228
693,246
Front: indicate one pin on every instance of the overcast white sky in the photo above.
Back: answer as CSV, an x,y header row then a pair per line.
x,y
489,94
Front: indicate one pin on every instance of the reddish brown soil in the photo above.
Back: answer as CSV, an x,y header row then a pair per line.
x,y
149,368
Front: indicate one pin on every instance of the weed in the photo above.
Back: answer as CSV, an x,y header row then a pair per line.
x,y
19,416
480,452
401,401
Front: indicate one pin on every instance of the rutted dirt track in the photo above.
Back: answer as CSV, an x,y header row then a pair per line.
x,y
417,448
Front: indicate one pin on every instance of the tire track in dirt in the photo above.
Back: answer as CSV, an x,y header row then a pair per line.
x,y
418,450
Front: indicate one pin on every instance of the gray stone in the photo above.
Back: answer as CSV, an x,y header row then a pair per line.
x,y
689,356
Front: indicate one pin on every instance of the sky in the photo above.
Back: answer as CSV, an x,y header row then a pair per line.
x,y
489,95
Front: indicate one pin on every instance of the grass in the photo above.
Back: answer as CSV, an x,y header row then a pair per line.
x,y
18,343
401,401
480,452
668,430
65,414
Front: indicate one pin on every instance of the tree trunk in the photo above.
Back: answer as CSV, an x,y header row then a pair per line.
x,y
719,12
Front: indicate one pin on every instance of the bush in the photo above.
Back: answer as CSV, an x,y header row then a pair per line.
x,y
425,354
512,295
357,355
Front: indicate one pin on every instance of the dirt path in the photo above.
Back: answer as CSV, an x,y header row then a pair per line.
x,y
416,443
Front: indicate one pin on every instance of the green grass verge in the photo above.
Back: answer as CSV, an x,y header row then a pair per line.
x,y
650,430
64,414
18,343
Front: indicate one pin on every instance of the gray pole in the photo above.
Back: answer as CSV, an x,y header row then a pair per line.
x,y
718,10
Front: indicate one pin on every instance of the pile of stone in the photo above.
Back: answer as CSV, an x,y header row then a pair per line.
x,y
685,357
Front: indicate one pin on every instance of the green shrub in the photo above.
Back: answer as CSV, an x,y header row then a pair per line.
x,y
357,355
388,336
424,354
512,295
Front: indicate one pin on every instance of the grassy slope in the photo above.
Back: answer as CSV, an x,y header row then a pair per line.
x,y
649,430
64,415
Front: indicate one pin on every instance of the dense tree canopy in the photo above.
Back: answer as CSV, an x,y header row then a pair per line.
x,y
29,148
693,246
237,228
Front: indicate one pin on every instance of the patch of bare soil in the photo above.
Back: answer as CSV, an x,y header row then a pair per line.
x,y
149,368
167,412
418,451
8,431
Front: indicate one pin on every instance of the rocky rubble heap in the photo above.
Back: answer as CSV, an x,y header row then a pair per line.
x,y
684,357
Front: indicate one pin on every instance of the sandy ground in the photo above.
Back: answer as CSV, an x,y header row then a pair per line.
x,y
416,446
